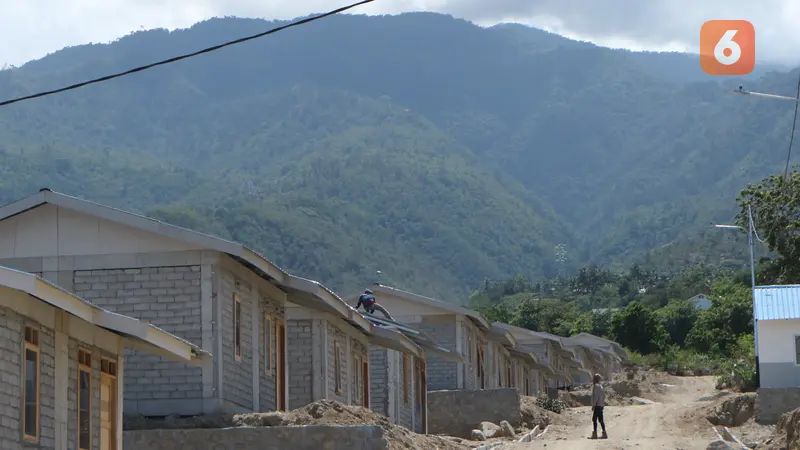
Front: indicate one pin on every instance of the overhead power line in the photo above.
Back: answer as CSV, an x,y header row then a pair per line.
x,y
188,55
794,125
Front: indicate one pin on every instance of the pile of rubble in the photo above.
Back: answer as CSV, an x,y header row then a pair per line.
x,y
323,412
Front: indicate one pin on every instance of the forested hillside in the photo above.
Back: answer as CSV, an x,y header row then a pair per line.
x,y
428,148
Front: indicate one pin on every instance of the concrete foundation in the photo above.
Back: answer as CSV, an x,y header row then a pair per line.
x,y
457,413
268,438
771,403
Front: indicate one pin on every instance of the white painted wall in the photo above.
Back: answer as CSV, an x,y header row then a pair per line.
x,y
51,230
776,340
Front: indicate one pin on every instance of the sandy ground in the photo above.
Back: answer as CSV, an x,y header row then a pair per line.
x,y
675,422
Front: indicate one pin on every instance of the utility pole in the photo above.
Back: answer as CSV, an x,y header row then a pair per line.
x,y
750,232
751,245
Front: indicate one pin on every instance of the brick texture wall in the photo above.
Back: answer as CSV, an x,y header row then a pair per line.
x,y
336,335
299,357
442,374
267,381
405,410
168,297
379,378
237,385
11,377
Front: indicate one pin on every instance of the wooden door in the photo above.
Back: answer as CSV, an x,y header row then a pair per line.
x,y
365,382
422,394
281,378
481,368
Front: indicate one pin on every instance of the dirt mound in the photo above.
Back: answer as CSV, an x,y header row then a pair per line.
x,y
328,412
734,411
533,415
323,412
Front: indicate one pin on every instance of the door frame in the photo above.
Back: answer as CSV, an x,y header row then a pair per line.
x,y
281,385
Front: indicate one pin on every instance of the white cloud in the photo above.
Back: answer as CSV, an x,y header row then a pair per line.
x,y
32,28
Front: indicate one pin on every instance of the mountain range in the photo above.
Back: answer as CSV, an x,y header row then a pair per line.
x,y
417,150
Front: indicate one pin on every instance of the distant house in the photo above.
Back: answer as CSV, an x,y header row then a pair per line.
x,y
499,363
701,301
570,359
777,314
458,329
615,353
548,367
63,365
329,353
217,294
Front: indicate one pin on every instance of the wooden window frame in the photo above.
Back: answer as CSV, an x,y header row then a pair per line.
x,y
84,366
237,328
406,381
109,368
337,367
269,330
31,343
357,391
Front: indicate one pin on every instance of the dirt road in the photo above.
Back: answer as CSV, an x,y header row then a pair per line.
x,y
672,423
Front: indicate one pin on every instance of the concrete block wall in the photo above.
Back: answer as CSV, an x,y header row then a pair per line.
x,y
442,374
406,410
264,438
379,379
300,360
168,297
268,380
456,413
12,382
771,403
335,335
471,336
237,382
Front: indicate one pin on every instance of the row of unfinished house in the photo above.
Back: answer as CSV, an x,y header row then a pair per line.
x,y
106,313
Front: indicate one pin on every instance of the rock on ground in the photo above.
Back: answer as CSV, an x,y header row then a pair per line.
x,y
720,445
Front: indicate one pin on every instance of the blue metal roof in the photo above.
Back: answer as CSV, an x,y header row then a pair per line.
x,y
777,302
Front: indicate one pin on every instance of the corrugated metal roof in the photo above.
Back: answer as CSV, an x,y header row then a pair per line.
x,y
777,302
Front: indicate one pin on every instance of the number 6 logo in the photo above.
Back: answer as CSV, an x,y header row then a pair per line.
x,y
727,47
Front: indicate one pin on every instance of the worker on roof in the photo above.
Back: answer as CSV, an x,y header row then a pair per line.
x,y
370,304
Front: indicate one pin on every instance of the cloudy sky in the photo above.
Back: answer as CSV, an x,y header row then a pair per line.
x,y
30,29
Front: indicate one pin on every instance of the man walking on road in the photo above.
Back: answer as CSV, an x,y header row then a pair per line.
x,y
598,403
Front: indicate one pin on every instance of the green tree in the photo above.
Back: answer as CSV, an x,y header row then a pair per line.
x,y
678,318
775,204
551,316
637,328
718,328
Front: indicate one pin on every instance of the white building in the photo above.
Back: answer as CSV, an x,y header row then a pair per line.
x,y
701,301
777,313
